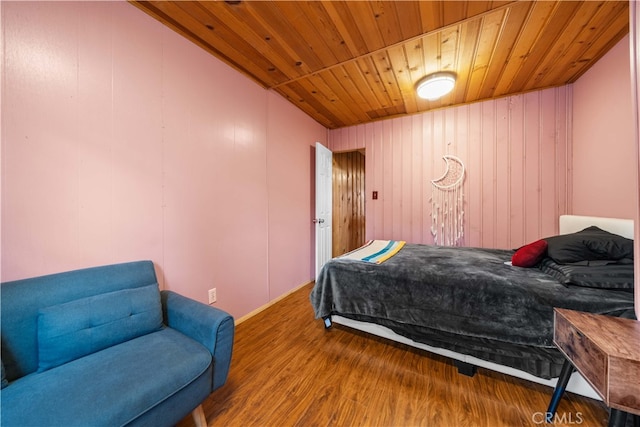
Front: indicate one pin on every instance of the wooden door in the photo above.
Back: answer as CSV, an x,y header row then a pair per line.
x,y
348,201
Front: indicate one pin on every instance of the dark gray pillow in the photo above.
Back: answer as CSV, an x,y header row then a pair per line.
x,y
604,276
590,244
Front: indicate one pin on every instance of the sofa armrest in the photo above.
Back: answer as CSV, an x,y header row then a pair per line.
x,y
208,325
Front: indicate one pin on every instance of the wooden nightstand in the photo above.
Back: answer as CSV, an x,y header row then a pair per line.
x,y
606,351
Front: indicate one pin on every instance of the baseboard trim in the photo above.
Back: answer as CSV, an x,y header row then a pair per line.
x,y
270,303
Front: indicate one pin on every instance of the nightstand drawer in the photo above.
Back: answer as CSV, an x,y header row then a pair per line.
x,y
587,357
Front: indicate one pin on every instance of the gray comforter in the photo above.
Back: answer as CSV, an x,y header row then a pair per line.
x,y
464,292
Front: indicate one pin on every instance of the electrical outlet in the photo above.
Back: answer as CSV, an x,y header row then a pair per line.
x,y
213,296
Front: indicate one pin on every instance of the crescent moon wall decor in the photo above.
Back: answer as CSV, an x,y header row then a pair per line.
x,y
447,203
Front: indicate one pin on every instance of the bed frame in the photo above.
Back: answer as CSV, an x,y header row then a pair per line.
x,y
577,384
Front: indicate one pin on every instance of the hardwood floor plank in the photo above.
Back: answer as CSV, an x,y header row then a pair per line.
x,y
287,370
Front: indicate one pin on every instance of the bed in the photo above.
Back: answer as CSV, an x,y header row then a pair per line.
x,y
474,306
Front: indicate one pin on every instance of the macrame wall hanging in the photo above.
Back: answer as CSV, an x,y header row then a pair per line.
x,y
447,214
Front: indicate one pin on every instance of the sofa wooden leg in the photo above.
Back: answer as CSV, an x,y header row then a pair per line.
x,y
198,416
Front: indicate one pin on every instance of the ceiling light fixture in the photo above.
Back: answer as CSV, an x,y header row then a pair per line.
x,y
436,85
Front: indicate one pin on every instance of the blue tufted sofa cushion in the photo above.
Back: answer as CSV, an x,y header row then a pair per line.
x,y
74,329
115,386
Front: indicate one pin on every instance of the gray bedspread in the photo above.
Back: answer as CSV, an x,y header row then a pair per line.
x,y
466,292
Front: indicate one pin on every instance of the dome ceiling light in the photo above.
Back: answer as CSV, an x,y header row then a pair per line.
x,y
436,85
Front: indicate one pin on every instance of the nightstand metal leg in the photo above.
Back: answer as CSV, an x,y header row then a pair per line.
x,y
561,385
617,418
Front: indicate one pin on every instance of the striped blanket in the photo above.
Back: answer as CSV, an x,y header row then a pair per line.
x,y
375,251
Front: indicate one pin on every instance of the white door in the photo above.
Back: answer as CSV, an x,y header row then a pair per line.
x,y
324,201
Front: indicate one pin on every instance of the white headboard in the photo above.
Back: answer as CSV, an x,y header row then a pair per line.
x,y
573,223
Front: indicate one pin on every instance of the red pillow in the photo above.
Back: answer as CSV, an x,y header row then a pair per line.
x,y
529,255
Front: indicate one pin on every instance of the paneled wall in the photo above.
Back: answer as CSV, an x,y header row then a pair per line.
x,y
604,169
348,201
516,151
121,140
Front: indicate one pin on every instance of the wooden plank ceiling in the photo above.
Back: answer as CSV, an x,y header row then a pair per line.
x,y
351,62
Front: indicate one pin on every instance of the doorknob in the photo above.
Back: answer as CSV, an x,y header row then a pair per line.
x,y
318,221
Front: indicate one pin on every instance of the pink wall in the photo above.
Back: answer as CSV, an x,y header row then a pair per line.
x,y
634,62
291,198
1,130
604,169
516,152
121,140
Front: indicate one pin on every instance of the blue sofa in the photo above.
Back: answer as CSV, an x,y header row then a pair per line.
x,y
104,346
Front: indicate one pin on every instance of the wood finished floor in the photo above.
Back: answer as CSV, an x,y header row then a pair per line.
x,y
287,370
